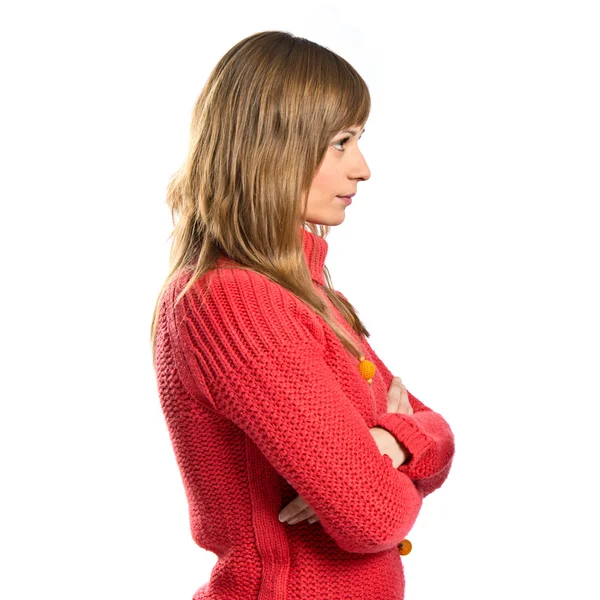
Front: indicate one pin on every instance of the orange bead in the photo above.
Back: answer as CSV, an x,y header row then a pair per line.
x,y
367,369
405,547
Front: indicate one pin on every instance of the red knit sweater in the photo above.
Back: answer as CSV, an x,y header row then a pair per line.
x,y
264,403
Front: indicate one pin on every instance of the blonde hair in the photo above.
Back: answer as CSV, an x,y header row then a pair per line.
x,y
260,129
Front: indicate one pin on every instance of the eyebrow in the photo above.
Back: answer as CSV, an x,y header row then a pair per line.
x,y
353,132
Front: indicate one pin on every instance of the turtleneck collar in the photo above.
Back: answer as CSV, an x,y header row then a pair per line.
x,y
315,252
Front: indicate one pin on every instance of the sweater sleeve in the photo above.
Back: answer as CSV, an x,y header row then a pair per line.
x,y
426,435
262,352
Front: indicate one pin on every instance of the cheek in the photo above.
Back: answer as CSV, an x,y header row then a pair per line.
x,y
325,182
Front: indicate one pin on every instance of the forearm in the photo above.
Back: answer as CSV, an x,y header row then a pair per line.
x,y
430,484
388,444
426,435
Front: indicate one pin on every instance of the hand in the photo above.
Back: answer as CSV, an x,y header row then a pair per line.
x,y
300,509
397,402
397,398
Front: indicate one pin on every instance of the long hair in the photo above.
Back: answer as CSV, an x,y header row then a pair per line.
x,y
260,130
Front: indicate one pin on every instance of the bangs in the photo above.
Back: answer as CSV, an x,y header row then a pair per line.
x,y
347,94
318,78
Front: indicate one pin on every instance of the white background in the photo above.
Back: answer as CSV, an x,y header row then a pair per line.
x,y
471,255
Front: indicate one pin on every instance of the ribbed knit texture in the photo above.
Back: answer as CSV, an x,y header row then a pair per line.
x,y
263,403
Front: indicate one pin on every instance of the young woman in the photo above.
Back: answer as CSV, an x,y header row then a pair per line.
x,y
276,404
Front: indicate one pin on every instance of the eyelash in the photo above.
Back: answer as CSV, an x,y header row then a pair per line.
x,y
342,142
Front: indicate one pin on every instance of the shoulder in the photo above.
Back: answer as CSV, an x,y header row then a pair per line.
x,y
231,286
244,305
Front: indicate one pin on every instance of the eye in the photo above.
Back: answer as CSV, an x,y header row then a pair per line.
x,y
341,142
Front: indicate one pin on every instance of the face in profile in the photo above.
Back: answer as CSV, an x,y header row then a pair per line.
x,y
340,171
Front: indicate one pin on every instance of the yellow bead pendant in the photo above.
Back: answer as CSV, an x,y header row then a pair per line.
x,y
405,547
366,368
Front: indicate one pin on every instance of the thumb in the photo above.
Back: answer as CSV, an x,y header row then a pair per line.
x,y
394,395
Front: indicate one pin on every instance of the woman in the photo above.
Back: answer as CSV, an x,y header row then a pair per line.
x,y
276,404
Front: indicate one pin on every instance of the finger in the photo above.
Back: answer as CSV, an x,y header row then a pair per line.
x,y
297,505
393,404
393,395
395,398
407,407
396,381
404,399
302,515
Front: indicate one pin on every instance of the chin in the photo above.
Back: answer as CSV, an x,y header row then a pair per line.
x,y
329,220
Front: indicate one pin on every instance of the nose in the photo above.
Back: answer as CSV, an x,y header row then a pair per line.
x,y
361,169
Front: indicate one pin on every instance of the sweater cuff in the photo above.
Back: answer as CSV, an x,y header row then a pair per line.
x,y
423,461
